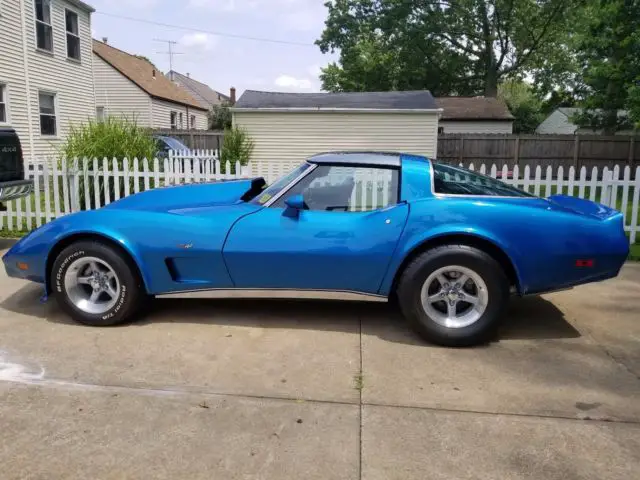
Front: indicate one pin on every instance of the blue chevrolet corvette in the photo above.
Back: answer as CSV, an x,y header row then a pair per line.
x,y
449,245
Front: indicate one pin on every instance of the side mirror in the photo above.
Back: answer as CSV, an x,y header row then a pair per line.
x,y
295,201
294,204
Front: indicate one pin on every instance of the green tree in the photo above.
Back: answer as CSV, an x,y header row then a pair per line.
x,y
220,117
449,47
609,52
523,104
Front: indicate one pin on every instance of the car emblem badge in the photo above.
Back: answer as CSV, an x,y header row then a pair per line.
x,y
186,246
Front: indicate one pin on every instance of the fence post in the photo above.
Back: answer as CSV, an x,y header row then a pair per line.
x,y
632,147
516,152
461,155
576,150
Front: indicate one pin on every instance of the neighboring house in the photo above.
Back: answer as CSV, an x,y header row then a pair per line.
x,y
474,115
560,122
287,127
46,81
207,96
133,87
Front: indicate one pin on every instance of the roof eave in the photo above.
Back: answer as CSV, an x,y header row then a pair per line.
x,y
335,110
477,119
82,5
170,100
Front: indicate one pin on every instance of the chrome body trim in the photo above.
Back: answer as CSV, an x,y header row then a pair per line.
x,y
293,182
277,293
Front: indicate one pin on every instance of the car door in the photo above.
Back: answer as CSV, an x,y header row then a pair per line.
x,y
342,240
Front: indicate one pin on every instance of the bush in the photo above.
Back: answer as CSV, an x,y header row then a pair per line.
x,y
237,146
115,137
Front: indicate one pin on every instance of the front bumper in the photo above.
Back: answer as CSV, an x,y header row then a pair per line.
x,y
15,189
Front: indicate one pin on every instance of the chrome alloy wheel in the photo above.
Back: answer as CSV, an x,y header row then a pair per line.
x,y
92,285
454,296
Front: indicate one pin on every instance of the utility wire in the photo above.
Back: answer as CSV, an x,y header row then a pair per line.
x,y
212,32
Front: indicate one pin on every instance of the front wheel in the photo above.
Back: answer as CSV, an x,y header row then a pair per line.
x,y
95,284
454,295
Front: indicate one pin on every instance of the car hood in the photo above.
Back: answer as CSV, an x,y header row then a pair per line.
x,y
193,196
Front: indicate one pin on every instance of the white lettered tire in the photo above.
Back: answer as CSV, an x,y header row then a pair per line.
x,y
96,284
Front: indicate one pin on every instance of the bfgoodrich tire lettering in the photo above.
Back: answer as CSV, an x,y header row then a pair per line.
x,y
493,278
127,296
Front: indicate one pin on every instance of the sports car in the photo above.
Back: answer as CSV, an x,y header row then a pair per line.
x,y
448,245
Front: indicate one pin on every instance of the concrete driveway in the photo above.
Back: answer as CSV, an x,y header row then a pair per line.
x,y
270,389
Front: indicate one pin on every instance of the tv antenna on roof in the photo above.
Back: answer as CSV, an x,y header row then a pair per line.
x,y
170,52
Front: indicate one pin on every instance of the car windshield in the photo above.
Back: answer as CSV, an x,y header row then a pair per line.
x,y
276,187
174,144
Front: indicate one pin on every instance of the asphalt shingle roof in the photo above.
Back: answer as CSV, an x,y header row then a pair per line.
x,y
410,100
207,96
473,108
140,72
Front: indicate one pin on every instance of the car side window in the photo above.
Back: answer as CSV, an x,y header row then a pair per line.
x,y
451,180
341,188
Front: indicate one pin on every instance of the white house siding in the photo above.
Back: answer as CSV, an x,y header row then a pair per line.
x,y
72,82
12,70
119,96
162,109
287,138
486,126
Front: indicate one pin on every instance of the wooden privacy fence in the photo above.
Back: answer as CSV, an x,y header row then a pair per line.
x,y
196,139
544,150
90,184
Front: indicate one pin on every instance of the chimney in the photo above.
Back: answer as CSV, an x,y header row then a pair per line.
x,y
153,73
232,95
105,40
188,75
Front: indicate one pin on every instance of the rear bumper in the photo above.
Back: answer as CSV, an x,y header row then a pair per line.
x,y
15,189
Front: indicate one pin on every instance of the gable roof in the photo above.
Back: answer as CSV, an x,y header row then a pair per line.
x,y
141,72
473,108
202,92
410,100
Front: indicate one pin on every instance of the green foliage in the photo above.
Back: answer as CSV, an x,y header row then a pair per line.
x,y
608,51
114,138
220,117
451,48
237,146
524,105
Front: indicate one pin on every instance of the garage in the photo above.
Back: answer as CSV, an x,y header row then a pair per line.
x,y
287,127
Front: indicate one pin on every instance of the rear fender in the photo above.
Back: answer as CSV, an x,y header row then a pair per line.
x,y
414,241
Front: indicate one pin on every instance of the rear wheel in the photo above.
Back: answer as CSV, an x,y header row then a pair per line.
x,y
454,295
95,284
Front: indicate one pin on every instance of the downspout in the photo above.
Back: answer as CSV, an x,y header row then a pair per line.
x,y
27,83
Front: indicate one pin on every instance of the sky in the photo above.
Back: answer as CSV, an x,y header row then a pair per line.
x,y
217,60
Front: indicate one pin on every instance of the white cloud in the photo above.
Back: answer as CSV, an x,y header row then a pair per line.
x,y
314,71
199,41
292,83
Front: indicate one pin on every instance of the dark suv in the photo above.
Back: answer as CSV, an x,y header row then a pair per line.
x,y
12,182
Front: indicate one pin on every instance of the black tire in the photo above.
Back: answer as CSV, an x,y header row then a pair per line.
x,y
131,294
416,274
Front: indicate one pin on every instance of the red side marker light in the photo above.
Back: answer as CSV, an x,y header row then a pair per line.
x,y
585,263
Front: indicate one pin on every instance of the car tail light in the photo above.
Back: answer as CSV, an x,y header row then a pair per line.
x,y
586,262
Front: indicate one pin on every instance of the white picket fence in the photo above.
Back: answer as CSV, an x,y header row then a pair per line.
x,y
90,184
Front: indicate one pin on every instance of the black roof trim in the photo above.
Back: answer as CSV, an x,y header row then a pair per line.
x,y
382,159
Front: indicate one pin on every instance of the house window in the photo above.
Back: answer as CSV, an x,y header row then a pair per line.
x,y
47,114
3,104
44,32
174,120
193,121
181,124
440,129
100,114
73,35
